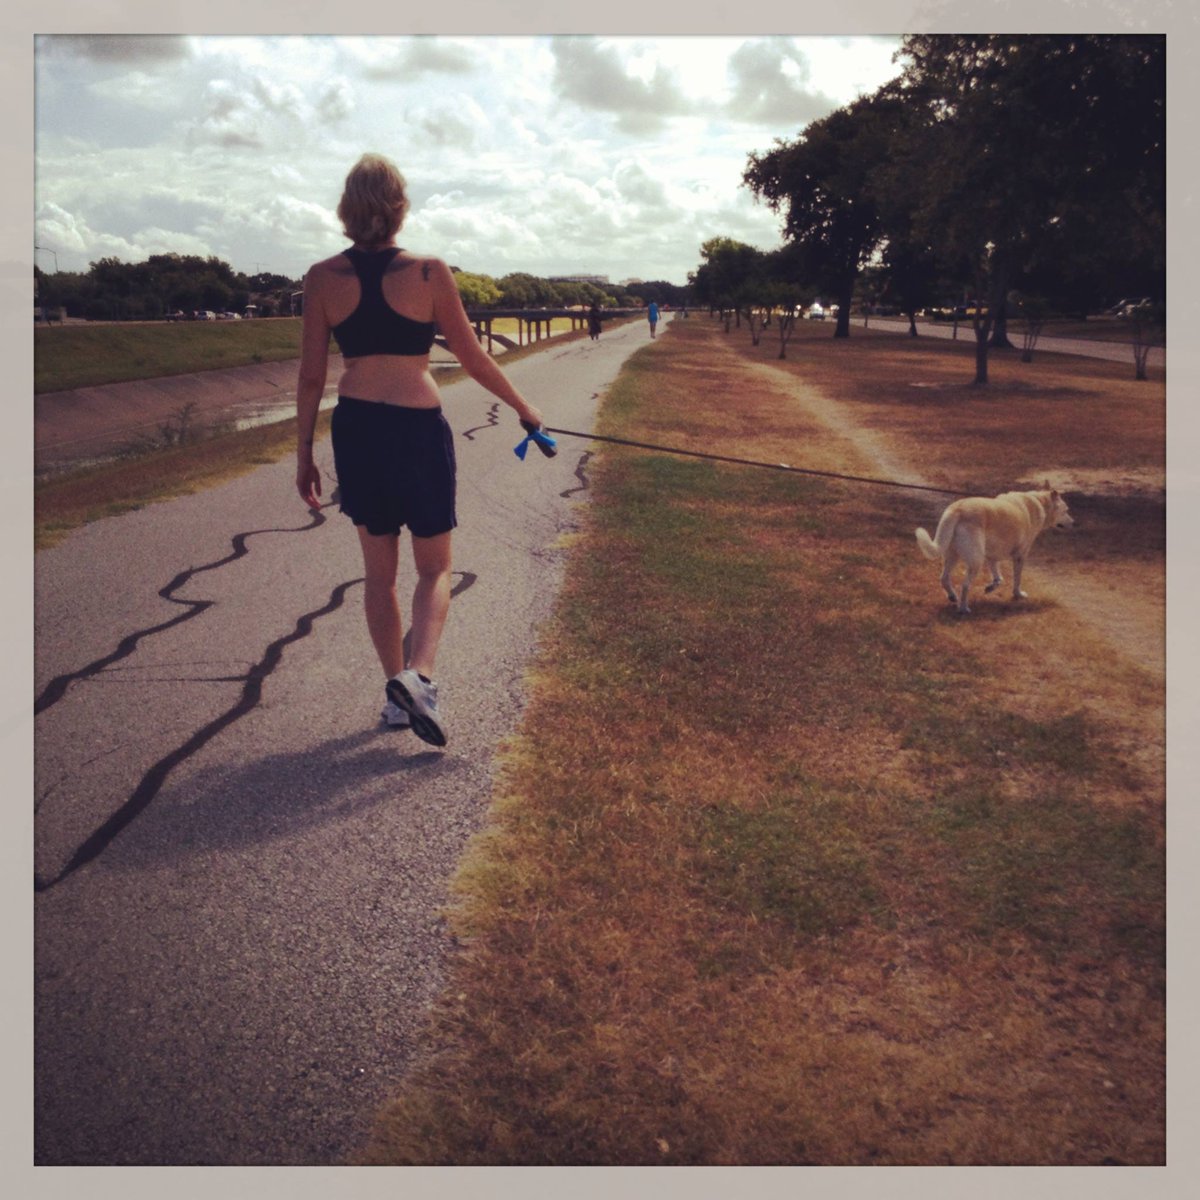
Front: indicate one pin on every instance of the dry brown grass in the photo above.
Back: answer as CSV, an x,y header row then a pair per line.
x,y
787,865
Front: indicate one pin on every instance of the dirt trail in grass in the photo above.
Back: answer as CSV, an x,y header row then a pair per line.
x,y
1124,607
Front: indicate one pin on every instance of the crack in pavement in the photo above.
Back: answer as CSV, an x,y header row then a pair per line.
x,y
580,474
493,421
56,689
152,781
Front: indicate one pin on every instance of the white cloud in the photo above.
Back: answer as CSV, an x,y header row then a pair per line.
x,y
336,102
617,156
404,60
58,230
593,75
634,183
64,232
771,84
457,123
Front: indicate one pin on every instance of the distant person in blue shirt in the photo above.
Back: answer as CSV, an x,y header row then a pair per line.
x,y
652,313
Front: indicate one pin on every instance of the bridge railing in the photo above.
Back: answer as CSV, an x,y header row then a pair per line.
x,y
533,323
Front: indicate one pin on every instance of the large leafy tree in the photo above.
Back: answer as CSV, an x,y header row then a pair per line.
x,y
825,184
1037,155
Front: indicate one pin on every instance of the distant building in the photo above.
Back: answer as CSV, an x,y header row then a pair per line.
x,y
598,280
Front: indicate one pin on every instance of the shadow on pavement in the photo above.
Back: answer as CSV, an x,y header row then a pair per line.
x,y
276,798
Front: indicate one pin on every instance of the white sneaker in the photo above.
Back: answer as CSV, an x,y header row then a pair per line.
x,y
394,717
418,697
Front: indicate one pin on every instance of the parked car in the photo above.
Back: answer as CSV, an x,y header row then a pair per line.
x,y
815,311
229,316
1118,309
1133,308
177,315
204,314
957,312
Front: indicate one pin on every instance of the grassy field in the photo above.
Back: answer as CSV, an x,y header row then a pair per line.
x,y
788,865
72,356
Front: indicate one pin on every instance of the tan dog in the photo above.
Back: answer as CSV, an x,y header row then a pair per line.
x,y
979,530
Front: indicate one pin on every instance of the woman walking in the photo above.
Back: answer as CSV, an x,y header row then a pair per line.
x,y
392,447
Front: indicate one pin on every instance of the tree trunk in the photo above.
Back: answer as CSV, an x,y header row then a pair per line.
x,y
1000,329
983,329
981,355
996,292
787,323
845,298
912,324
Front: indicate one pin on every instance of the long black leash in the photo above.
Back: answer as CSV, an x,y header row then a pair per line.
x,y
750,462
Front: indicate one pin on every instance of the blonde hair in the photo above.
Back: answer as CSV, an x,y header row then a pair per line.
x,y
374,201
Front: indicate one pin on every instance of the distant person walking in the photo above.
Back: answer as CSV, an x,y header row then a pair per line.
x,y
392,447
594,321
652,314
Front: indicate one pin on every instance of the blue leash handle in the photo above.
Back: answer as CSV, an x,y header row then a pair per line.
x,y
544,442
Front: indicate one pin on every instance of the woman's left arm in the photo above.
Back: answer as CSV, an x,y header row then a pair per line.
x,y
460,337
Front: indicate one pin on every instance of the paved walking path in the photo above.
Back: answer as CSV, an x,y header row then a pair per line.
x,y
238,927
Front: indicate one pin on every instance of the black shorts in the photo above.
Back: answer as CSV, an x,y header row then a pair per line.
x,y
395,467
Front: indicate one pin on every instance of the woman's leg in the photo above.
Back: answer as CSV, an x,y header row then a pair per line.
x,y
431,600
382,606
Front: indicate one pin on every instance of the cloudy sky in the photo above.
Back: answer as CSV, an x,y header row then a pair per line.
x,y
613,156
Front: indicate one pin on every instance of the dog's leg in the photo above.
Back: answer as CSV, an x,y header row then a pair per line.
x,y
997,578
971,550
963,606
947,584
1018,563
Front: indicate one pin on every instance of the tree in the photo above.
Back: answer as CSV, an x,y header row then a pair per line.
x,y
721,278
786,292
521,290
1033,310
1034,150
824,182
477,291
749,290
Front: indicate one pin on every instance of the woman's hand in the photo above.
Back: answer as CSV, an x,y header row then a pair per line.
x,y
528,413
308,482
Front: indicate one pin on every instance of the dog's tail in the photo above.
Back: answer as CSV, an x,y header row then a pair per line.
x,y
935,547
928,545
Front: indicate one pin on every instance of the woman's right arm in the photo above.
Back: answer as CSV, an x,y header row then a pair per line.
x,y
310,386
460,337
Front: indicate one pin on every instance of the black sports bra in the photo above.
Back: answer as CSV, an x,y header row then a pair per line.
x,y
374,327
